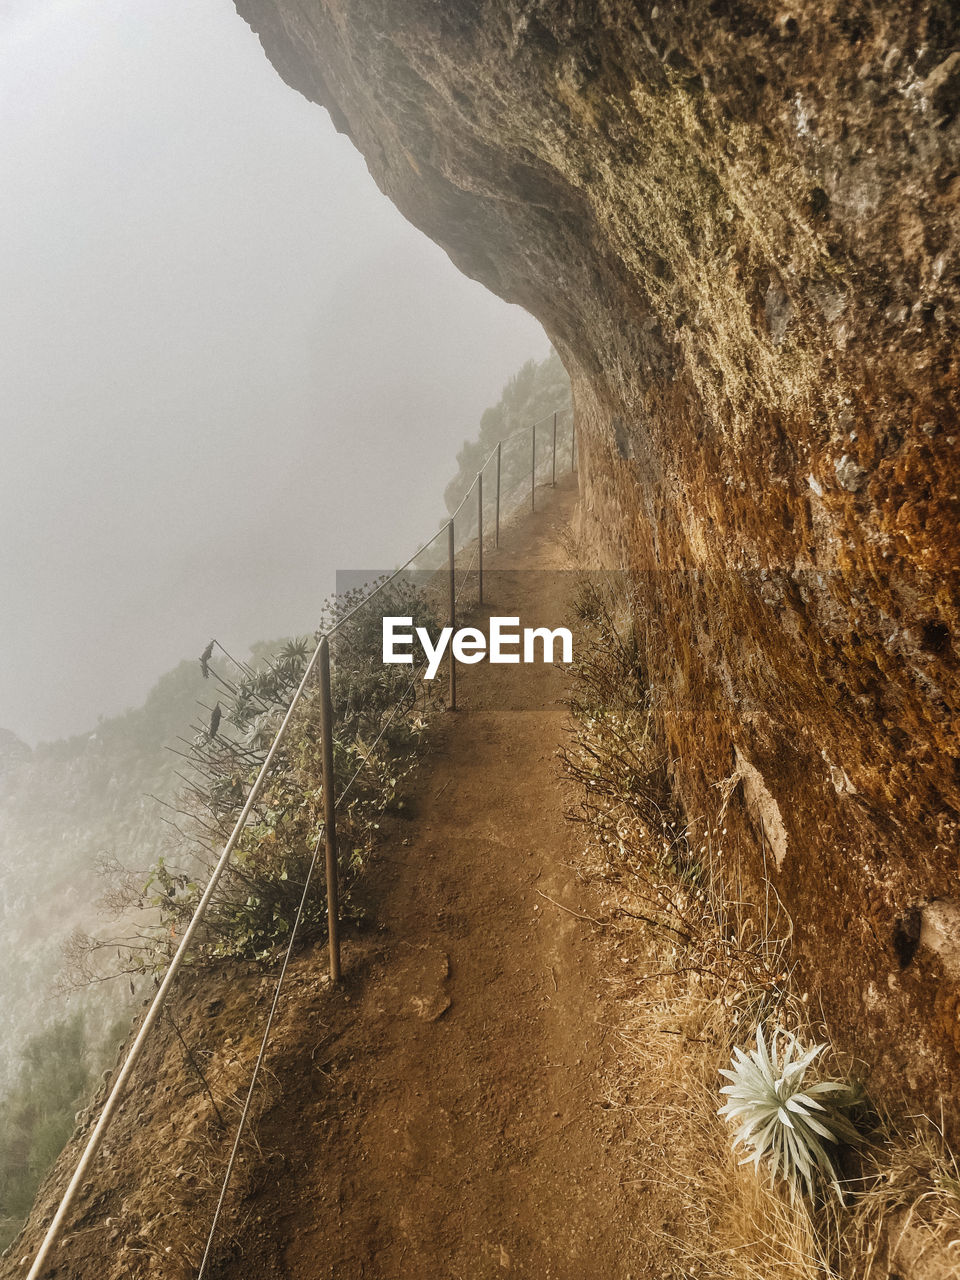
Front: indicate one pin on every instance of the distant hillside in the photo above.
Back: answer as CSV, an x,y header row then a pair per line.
x,y
536,391
13,752
75,816
64,807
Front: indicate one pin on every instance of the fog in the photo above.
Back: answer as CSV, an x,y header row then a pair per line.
x,y
229,367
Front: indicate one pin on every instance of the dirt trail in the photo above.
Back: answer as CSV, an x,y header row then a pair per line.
x,y
450,1123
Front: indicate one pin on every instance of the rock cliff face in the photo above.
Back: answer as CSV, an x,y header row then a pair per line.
x,y
738,222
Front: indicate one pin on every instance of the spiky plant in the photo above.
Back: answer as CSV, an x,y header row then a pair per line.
x,y
781,1118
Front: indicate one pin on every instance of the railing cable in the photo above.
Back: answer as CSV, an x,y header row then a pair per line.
x,y
335,626
95,1141
259,1063
467,573
244,1115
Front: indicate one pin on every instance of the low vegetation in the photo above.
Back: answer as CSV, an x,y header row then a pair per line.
x,y
66,807
703,977
380,716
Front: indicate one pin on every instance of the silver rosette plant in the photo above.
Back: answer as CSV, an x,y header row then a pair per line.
x,y
783,1118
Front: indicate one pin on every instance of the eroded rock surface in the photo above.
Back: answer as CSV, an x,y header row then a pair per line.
x,y
738,223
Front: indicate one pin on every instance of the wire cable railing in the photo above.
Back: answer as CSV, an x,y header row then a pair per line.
x,y
319,662
245,1113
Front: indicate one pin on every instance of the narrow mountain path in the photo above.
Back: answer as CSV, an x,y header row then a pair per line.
x,y
445,1119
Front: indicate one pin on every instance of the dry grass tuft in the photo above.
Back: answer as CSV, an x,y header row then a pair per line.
x,y
905,1213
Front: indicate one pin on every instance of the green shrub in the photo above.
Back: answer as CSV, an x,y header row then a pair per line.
x,y
379,720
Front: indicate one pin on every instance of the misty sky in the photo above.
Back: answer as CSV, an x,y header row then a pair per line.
x,y
228,366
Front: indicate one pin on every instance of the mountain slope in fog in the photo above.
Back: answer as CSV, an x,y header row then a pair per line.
x,y
65,808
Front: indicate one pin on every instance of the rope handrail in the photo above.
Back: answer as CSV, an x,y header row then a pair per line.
x,y
155,1009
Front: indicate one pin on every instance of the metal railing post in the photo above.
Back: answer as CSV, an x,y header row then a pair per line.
x,y
453,615
329,811
533,471
499,443
480,537
554,474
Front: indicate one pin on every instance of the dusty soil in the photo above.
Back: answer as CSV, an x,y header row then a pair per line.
x,y
445,1118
